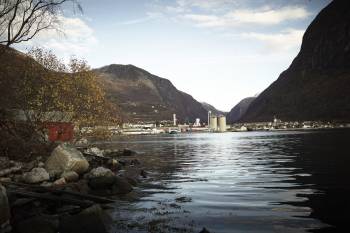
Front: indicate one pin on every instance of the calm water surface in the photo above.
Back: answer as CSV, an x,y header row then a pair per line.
x,y
292,181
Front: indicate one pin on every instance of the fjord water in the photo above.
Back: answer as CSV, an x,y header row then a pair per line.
x,y
286,181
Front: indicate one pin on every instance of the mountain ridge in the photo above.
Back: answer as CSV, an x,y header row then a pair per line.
x,y
146,97
215,111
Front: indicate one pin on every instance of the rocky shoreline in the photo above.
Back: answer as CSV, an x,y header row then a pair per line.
x,y
73,185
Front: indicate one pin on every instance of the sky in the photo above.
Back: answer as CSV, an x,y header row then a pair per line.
x,y
218,51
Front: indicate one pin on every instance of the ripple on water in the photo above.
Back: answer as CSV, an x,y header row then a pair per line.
x,y
232,182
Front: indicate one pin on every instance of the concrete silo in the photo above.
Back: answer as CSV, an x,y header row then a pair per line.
x,y
213,123
222,123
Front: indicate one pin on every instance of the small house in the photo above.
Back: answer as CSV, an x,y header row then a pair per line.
x,y
59,126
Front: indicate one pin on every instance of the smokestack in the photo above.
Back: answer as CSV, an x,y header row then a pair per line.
x,y
209,115
174,119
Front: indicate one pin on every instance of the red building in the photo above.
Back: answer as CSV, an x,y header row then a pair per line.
x,y
60,131
58,124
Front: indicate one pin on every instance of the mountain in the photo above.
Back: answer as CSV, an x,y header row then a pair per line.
x,y
143,96
239,110
139,95
209,107
316,86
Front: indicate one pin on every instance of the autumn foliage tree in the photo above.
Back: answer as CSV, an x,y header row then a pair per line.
x,y
72,89
38,88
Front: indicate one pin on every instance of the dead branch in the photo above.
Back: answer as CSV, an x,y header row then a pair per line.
x,y
9,171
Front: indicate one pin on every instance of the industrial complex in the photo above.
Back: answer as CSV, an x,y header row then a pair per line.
x,y
216,123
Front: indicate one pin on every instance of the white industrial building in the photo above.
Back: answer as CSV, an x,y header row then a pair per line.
x,y
217,123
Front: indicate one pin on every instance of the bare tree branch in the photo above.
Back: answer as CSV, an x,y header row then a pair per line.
x,y
22,20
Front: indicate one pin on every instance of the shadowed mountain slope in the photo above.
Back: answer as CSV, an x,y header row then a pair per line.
x,y
239,110
316,86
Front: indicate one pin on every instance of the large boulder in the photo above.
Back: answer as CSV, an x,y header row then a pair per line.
x,y
104,179
36,175
4,209
66,158
101,178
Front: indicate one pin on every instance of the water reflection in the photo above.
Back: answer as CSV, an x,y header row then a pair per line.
x,y
240,182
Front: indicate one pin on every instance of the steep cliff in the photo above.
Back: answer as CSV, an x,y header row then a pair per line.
x,y
239,110
316,86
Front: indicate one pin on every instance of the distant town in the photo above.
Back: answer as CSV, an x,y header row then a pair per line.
x,y
217,124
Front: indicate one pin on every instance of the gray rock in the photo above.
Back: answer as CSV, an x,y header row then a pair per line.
x,y
132,172
100,172
114,164
46,184
121,186
91,220
82,142
70,176
36,175
101,178
29,166
95,151
112,153
60,182
128,152
104,179
4,208
67,158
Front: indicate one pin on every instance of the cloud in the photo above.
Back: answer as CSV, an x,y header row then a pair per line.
x,y
180,7
286,40
266,16
74,37
206,20
150,16
207,4
263,16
